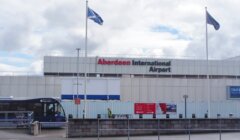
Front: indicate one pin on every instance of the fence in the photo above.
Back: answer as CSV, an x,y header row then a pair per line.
x,y
9,119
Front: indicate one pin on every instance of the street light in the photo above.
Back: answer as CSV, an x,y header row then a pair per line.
x,y
185,96
78,49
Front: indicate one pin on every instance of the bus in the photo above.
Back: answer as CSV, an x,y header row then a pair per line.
x,y
48,111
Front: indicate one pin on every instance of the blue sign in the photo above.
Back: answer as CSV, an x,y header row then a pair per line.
x,y
172,108
234,92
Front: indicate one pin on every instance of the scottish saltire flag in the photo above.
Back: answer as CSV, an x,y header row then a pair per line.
x,y
94,16
212,21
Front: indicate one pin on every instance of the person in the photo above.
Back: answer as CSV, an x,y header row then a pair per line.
x,y
109,113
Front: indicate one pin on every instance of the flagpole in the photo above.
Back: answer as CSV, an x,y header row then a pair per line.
x,y
208,82
85,62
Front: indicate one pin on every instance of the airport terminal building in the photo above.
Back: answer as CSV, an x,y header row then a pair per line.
x,y
135,80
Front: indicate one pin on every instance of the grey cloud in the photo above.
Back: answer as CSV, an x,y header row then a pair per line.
x,y
220,46
66,43
62,19
14,36
63,16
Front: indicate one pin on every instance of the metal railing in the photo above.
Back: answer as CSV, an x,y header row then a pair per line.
x,y
188,130
115,116
14,119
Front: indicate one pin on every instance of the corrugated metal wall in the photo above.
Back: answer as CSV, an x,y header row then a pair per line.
x,y
198,108
131,89
30,86
98,107
172,89
167,90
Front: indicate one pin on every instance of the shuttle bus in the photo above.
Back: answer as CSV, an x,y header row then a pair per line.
x,y
48,111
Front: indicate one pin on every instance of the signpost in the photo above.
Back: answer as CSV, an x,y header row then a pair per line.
x,y
185,104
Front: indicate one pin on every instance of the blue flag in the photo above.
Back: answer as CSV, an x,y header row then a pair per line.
x,y
212,21
94,16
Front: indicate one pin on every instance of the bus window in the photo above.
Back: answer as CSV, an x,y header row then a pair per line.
x,y
4,106
50,110
58,110
21,108
37,109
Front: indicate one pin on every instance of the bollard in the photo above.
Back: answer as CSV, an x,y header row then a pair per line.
x,y
180,116
140,116
193,116
34,128
167,116
70,116
99,116
154,116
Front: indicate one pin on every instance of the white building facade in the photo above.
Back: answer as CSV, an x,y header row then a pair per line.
x,y
151,80
139,79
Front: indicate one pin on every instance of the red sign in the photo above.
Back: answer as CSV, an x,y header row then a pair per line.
x,y
77,101
145,108
164,108
113,62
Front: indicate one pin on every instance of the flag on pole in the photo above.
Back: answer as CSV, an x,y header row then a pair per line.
x,y
94,16
212,21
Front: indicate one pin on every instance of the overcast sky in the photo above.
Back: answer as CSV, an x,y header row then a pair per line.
x,y
32,29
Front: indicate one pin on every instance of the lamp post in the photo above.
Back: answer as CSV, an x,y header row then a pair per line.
x,y
78,49
185,96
